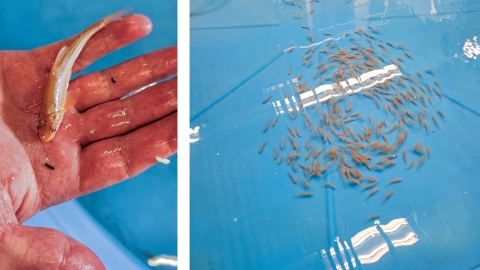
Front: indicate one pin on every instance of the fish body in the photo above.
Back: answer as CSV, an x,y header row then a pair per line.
x,y
56,99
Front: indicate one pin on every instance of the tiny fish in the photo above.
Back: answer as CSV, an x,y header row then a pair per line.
x,y
294,144
291,131
441,113
439,94
411,164
388,195
304,193
306,183
423,110
437,83
308,154
266,126
390,44
312,39
396,180
375,190
289,71
420,162
420,74
435,120
372,217
265,100
430,100
275,121
329,185
261,147
369,186
294,166
292,178
298,132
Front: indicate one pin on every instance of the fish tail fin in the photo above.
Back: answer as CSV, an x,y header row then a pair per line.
x,y
116,16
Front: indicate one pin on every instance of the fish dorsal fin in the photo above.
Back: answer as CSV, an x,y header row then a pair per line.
x,y
60,54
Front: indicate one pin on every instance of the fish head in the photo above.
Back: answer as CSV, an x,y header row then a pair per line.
x,y
46,134
48,126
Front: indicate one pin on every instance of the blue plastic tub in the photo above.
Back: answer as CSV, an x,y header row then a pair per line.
x,y
126,223
246,213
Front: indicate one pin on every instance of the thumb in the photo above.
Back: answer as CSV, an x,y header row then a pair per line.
x,y
23,247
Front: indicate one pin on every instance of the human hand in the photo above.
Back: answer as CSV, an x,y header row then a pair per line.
x,y
102,140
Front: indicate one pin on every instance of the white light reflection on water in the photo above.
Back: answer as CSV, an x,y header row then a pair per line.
x,y
326,91
163,260
194,134
471,49
370,245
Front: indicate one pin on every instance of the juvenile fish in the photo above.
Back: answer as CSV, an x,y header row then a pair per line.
x,y
375,190
56,99
388,195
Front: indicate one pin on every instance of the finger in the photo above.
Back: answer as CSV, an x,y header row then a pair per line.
x,y
114,36
23,247
122,116
118,81
112,160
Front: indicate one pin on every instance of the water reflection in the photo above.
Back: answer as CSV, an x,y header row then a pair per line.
x,y
369,245
324,92
163,260
194,134
471,49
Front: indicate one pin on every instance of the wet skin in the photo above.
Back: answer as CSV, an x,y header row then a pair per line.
x,y
102,140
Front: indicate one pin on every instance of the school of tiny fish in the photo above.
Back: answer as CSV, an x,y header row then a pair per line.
x,y
342,138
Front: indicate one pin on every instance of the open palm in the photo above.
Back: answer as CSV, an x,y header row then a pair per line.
x,y
102,140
